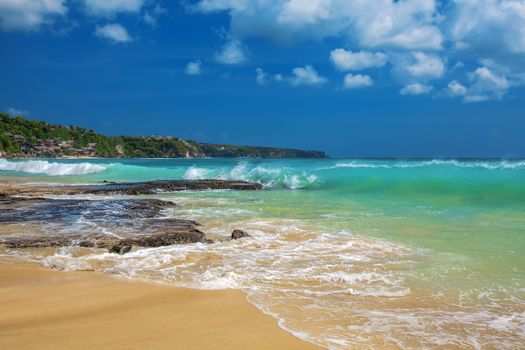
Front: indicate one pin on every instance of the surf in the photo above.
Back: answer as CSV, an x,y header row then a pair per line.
x,y
51,168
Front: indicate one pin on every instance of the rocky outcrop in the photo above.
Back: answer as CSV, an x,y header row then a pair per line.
x,y
135,188
116,225
238,234
151,187
160,240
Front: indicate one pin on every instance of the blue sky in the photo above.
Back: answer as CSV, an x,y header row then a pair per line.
x,y
419,78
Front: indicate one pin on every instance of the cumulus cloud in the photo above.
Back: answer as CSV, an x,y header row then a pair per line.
x,y
416,89
347,60
455,89
113,32
355,81
112,7
194,68
485,26
305,11
27,15
486,85
417,30
306,75
17,112
426,66
410,24
233,52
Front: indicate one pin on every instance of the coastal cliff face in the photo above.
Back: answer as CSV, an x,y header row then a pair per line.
x,y
20,137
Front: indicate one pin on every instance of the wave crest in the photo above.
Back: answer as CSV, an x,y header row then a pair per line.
x,y
51,168
267,176
504,164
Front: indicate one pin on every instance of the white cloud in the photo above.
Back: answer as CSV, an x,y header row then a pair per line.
x,y
221,5
486,85
306,75
151,17
347,60
410,35
194,68
426,66
455,88
355,81
485,74
416,89
410,24
486,26
233,52
113,32
112,7
29,14
261,77
304,11
17,112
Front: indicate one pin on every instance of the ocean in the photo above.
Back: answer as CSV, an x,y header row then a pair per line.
x,y
344,253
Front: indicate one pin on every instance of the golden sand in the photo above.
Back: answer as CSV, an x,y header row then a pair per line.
x,y
46,309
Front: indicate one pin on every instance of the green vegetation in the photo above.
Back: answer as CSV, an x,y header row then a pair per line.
x,y
23,137
213,150
20,137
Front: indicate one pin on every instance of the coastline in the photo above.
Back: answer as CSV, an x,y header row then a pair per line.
x,y
360,270
48,309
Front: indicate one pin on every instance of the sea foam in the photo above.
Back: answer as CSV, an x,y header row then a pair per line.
x,y
490,165
51,168
269,177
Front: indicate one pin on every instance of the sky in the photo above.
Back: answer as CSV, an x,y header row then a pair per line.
x,y
355,78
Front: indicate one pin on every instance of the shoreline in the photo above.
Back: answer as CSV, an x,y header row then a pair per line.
x,y
49,309
42,308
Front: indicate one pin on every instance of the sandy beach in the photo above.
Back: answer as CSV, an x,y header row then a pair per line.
x,y
46,309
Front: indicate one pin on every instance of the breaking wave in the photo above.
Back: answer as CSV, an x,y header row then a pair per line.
x,y
504,164
269,177
51,168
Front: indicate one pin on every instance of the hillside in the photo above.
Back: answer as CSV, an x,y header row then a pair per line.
x,y
21,137
214,150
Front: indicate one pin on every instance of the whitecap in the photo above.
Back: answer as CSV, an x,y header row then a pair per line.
x,y
51,168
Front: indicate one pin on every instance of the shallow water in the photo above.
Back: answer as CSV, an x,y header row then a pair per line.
x,y
345,253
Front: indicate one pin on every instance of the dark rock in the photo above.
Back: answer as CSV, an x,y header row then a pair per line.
x,y
116,225
135,188
160,240
152,187
120,249
237,234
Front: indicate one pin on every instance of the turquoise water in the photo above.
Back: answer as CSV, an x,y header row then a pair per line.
x,y
346,253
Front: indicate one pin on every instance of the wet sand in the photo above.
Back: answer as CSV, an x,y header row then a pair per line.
x,y
46,309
